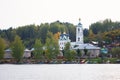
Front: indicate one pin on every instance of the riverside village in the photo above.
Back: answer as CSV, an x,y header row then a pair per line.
x,y
69,52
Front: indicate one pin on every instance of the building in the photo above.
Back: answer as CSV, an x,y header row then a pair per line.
x,y
27,53
8,53
79,44
64,38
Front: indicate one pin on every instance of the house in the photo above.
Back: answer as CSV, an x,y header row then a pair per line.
x,y
27,53
8,53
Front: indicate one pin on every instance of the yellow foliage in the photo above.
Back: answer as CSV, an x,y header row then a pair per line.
x,y
57,35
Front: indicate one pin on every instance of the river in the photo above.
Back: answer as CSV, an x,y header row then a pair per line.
x,y
60,72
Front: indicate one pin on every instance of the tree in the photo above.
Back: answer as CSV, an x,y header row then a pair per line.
x,y
56,45
85,51
72,54
116,52
57,35
91,35
79,54
103,26
52,48
86,32
17,49
67,51
44,28
2,47
38,49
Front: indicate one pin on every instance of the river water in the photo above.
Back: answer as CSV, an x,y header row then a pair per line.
x,y
60,72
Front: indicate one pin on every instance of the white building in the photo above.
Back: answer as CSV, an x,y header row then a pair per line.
x,y
27,53
79,44
79,34
64,38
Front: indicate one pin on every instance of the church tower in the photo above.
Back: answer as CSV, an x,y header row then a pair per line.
x,y
79,33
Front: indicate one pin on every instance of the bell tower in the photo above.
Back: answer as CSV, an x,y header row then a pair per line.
x,y
79,33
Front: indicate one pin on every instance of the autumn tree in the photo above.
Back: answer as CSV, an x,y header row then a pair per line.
x,y
51,47
2,47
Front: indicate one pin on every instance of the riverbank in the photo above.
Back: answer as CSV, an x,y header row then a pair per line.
x,y
62,61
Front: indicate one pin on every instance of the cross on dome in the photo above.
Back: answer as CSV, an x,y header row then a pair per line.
x,y
79,19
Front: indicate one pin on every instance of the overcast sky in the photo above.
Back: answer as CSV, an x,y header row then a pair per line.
x,y
14,13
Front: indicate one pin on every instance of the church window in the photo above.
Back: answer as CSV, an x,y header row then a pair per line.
x,y
78,39
78,30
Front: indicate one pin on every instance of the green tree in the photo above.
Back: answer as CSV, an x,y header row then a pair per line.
x,y
85,51
17,49
2,47
103,26
67,51
91,35
49,49
79,54
72,54
44,28
116,52
38,52
56,46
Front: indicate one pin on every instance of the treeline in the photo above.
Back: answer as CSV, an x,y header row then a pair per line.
x,y
104,26
106,30
30,33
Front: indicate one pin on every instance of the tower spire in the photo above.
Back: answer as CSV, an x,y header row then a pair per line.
x,y
79,33
79,19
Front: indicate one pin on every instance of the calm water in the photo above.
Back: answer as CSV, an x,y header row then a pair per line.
x,y
60,72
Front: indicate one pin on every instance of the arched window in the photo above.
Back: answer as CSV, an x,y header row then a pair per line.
x,y
78,39
78,30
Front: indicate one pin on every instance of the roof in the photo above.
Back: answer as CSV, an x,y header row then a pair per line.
x,y
64,37
26,50
32,49
86,46
7,50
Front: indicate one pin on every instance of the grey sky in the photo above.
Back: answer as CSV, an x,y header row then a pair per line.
x,y
14,13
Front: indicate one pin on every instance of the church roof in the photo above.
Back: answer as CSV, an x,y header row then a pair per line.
x,y
64,37
86,46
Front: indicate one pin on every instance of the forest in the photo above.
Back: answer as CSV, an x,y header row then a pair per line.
x,y
106,30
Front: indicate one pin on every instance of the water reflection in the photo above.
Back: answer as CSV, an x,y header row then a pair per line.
x,y
60,72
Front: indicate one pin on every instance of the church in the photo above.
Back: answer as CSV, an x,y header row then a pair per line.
x,y
94,51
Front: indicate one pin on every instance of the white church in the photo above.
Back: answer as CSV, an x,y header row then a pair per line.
x,y
79,44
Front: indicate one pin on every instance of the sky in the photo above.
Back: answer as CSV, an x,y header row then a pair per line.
x,y
15,13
